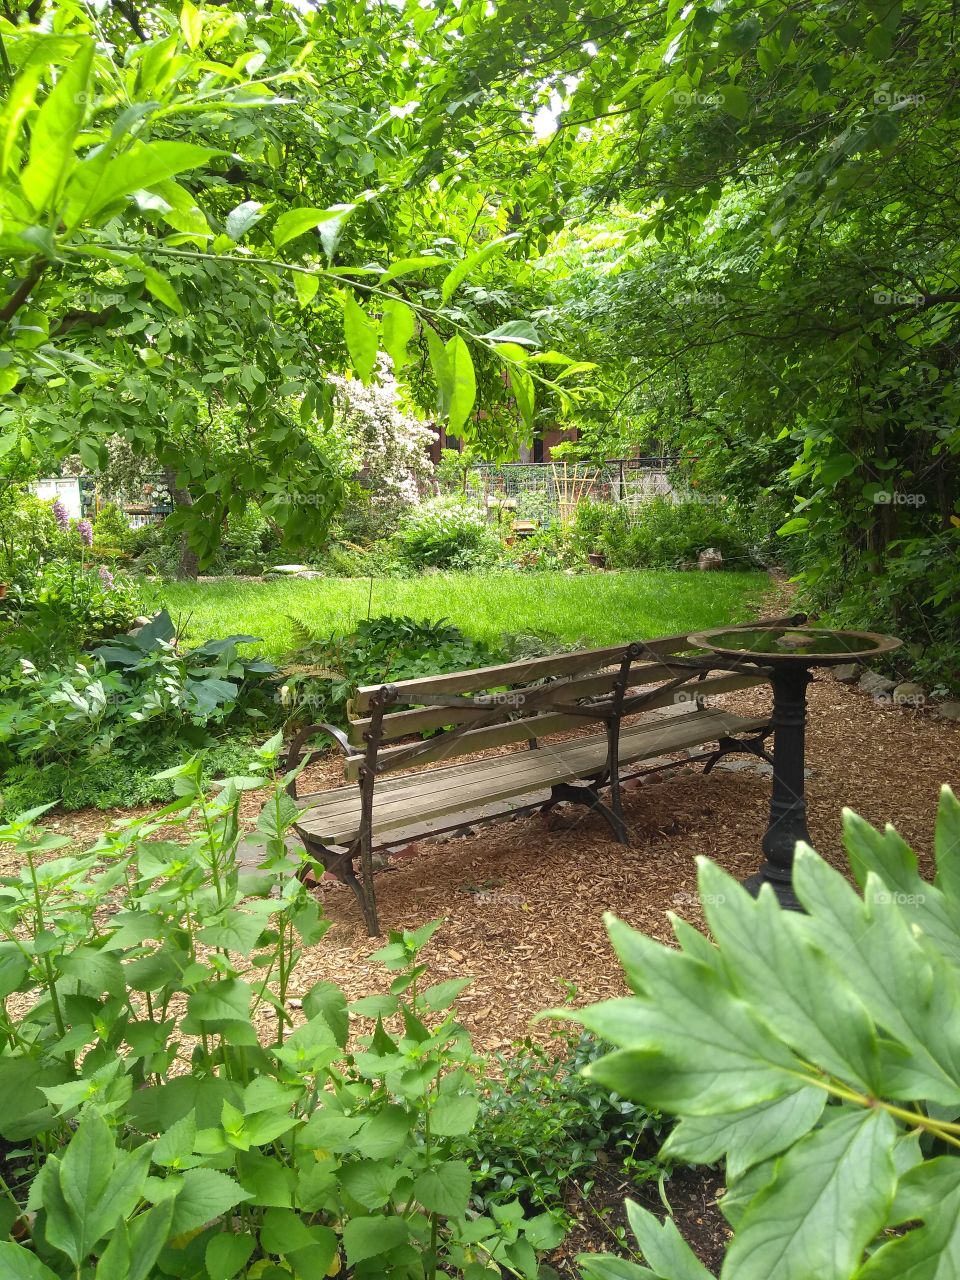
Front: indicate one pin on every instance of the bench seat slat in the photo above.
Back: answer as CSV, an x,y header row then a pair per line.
x,y
333,817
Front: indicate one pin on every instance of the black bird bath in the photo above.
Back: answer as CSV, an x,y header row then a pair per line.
x,y
786,655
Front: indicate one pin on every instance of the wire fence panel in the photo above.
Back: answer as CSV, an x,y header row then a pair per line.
x,y
548,491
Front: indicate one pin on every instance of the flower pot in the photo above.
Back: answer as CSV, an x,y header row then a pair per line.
x,y
597,559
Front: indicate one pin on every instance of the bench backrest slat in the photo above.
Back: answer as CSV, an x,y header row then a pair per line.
x,y
525,671
399,724
446,746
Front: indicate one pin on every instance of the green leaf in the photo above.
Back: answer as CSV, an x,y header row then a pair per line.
x,y
204,1194
227,1254
370,1237
284,1232
242,218
440,363
735,100
384,1134
14,968
797,525
191,24
441,995
520,332
459,273
19,102
663,1246
946,845
680,1003
310,1046
371,1182
146,165
829,1197
599,1266
305,287
361,336
746,1137
17,1262
135,1245
453,1114
543,1231
54,132
444,1188
524,393
909,989
931,1193
398,326
295,222
774,967
405,266
464,383
162,290
326,1000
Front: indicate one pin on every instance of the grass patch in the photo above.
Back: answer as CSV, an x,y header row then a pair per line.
x,y
595,609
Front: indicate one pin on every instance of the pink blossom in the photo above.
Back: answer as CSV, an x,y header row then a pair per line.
x,y
85,530
60,514
106,577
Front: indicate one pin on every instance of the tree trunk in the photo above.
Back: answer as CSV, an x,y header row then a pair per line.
x,y
189,564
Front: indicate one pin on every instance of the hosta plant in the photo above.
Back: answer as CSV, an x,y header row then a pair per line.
x,y
168,1110
816,1053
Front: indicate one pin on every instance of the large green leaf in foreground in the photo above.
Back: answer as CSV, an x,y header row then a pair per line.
x,y
817,1054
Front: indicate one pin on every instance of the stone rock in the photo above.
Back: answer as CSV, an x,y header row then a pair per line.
x,y
710,558
848,673
873,682
909,694
141,621
291,569
949,711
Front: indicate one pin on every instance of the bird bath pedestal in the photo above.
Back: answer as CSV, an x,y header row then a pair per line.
x,y
786,655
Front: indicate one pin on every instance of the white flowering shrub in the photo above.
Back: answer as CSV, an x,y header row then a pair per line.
x,y
387,450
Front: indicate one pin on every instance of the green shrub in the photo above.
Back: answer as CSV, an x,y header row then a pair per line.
x,y
29,533
77,723
64,606
248,545
181,1115
816,1052
661,534
589,525
446,533
542,1123
111,529
115,781
348,560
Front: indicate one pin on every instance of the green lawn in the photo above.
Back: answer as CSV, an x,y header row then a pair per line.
x,y
597,609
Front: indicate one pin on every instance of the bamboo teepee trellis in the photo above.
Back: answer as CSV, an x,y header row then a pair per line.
x,y
572,487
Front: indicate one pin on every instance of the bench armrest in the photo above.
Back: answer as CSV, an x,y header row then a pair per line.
x,y
296,754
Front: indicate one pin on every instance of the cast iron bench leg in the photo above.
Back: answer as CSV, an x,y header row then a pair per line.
x,y
562,792
341,865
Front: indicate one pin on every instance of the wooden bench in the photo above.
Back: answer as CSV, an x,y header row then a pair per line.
x,y
648,699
